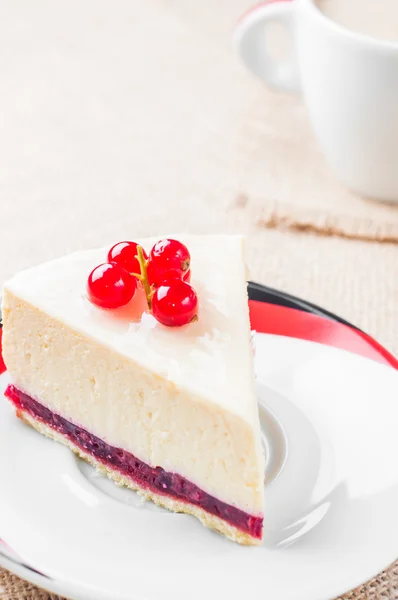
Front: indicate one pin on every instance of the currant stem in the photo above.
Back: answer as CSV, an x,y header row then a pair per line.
x,y
144,275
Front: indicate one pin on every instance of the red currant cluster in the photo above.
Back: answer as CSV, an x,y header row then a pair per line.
x,y
164,275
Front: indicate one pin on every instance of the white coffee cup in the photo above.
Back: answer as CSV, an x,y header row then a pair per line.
x,y
349,83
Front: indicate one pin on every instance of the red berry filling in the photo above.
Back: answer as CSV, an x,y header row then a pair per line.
x,y
147,477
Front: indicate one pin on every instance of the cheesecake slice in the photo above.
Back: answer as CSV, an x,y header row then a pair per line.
x,y
169,412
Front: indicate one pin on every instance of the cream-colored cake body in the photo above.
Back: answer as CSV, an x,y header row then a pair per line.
x,y
179,398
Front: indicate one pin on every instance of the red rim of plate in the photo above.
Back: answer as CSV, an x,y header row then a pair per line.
x,y
278,313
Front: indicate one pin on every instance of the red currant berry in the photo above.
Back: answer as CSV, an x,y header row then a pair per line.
x,y
175,303
167,259
110,286
157,276
124,254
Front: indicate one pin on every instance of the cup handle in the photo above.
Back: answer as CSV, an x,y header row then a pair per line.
x,y
250,41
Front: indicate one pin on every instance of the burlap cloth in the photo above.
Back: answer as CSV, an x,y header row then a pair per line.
x,y
134,118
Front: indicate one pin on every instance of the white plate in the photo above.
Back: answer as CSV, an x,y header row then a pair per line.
x,y
330,419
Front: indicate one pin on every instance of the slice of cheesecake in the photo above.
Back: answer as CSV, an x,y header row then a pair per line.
x,y
167,411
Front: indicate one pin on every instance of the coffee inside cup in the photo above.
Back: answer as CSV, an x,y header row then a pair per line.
x,y
375,18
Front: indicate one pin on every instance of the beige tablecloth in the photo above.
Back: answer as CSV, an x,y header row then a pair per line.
x,y
133,118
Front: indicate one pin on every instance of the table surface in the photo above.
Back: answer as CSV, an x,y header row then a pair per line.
x,y
131,119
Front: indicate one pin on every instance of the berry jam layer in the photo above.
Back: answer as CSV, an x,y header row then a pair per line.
x,y
155,479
